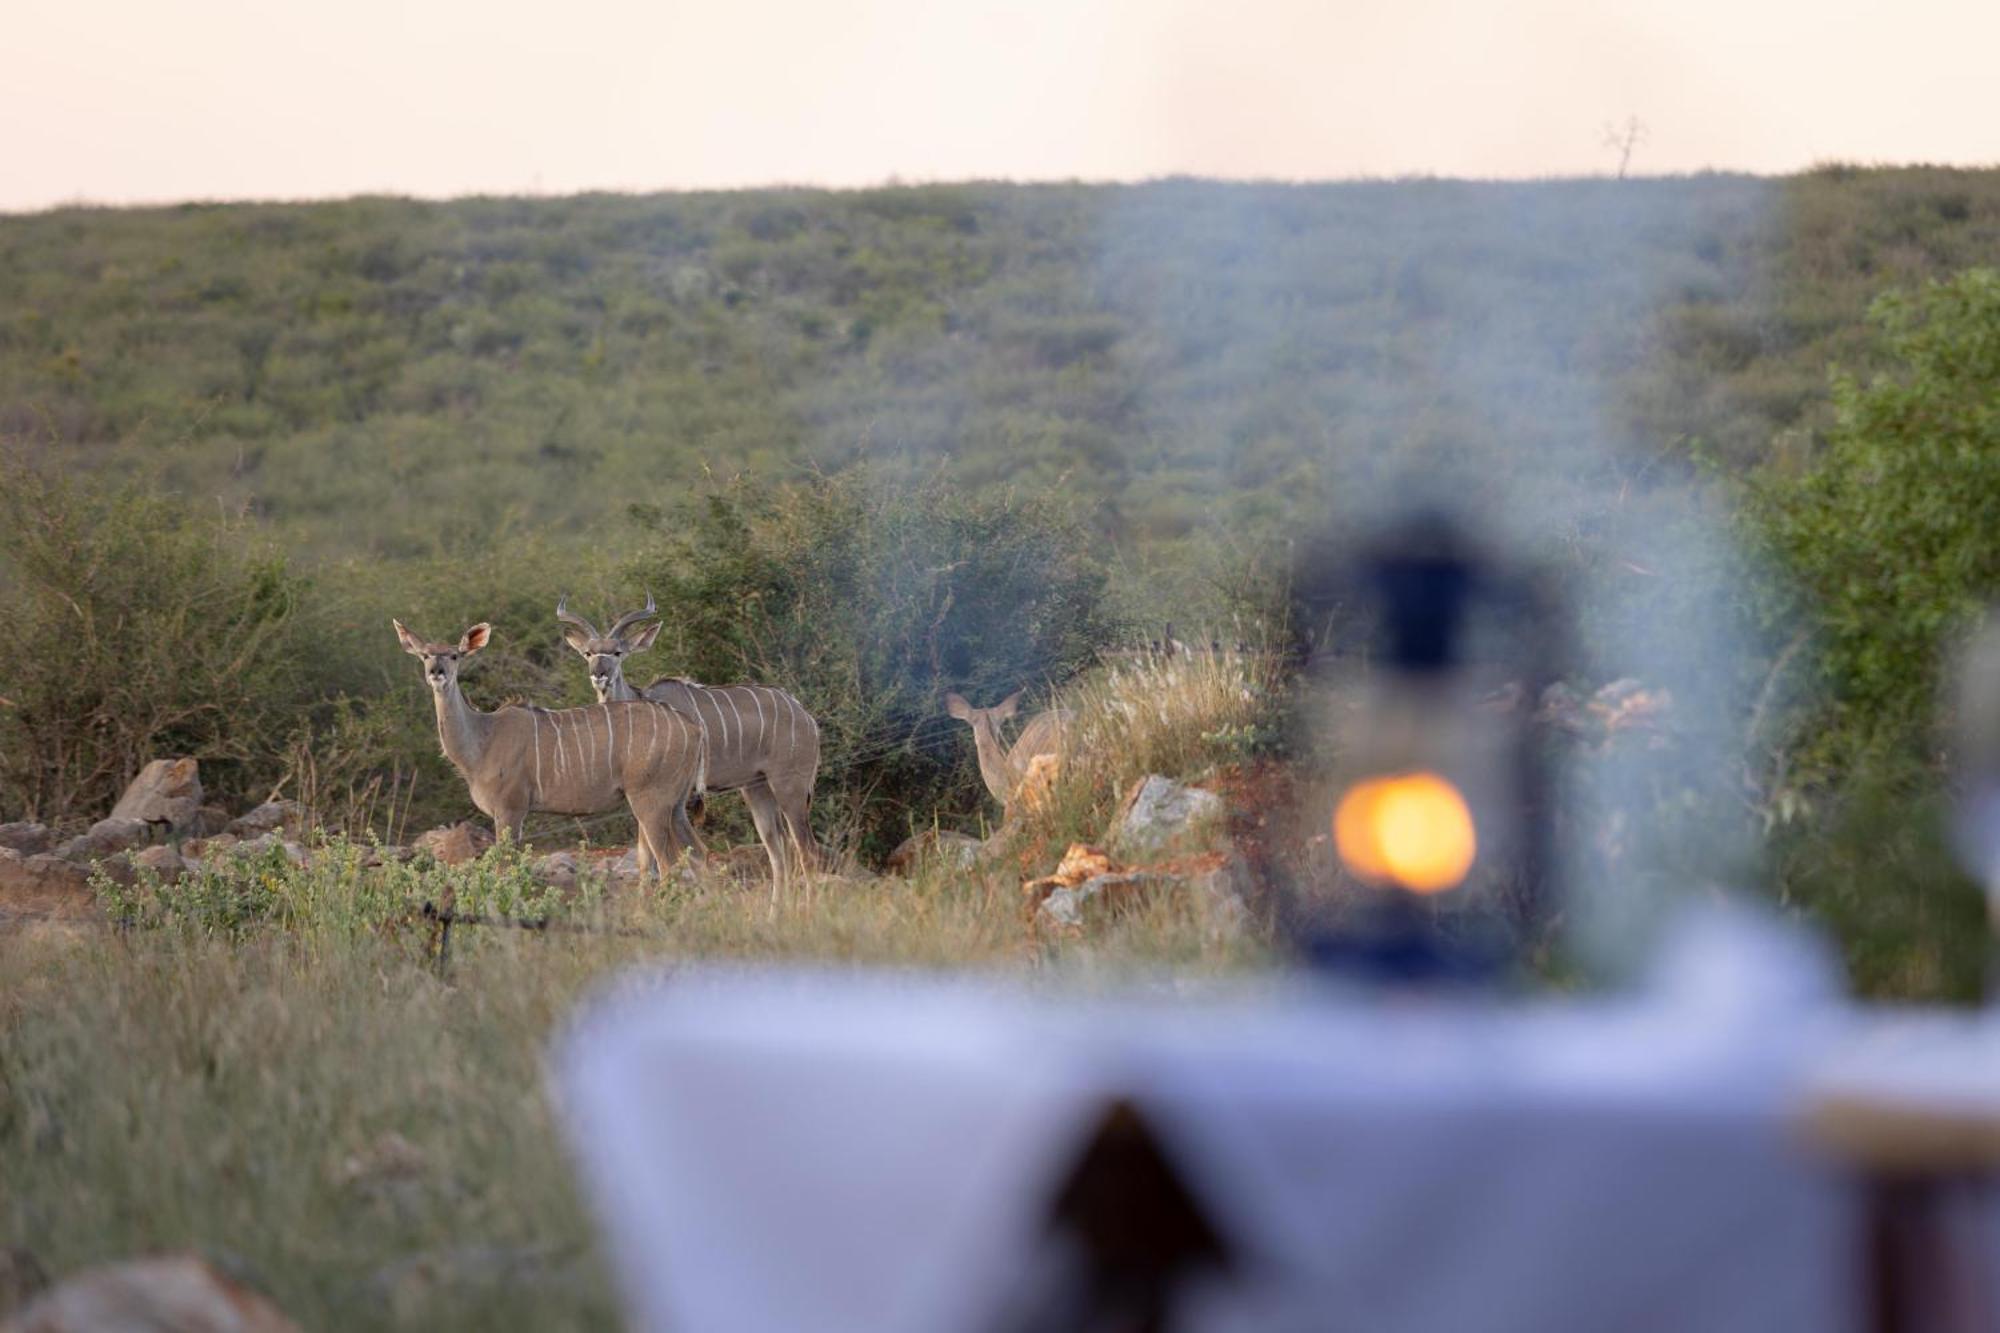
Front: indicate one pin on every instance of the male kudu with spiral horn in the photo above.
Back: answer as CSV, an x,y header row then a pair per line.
x,y
570,761
761,741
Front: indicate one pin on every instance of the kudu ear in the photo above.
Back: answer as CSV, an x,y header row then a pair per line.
x,y
956,705
475,638
1005,708
639,640
578,638
411,643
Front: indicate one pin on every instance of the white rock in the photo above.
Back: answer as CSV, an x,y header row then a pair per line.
x,y
181,1292
167,794
557,869
1160,814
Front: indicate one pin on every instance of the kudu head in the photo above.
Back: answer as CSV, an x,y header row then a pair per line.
x,y
606,652
985,722
441,659
995,770
982,718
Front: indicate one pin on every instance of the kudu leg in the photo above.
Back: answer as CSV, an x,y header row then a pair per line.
x,y
684,830
794,798
507,826
655,818
770,822
642,846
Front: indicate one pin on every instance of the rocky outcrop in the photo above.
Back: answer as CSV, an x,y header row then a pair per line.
x,y
45,886
107,837
558,870
182,1292
1088,888
454,844
288,817
162,861
1160,816
266,843
1098,897
1625,712
204,848
166,795
208,821
26,837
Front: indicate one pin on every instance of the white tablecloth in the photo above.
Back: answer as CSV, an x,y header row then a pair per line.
x,y
776,1150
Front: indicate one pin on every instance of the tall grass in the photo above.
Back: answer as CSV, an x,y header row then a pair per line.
x,y
275,1062
243,1090
1183,713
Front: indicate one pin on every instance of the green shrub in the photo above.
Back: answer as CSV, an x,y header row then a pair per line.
x,y
1884,535
135,630
1889,530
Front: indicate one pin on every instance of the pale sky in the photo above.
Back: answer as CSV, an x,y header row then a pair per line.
x,y
138,100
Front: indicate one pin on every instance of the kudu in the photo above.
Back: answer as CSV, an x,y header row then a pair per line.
x,y
1007,771
569,761
761,741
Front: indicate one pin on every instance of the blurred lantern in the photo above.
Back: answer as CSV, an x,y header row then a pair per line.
x,y
1426,657
1975,742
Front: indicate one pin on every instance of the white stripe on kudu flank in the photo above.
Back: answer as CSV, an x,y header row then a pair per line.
x,y
610,736
763,736
740,746
701,752
536,719
721,722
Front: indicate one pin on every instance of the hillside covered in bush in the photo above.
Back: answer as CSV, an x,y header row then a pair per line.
x,y
387,378
880,445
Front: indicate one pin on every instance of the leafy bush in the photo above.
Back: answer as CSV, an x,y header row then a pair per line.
x,y
1886,535
136,629
342,891
1889,530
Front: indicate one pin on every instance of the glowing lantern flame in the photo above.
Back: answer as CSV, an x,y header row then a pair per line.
x,y
1412,830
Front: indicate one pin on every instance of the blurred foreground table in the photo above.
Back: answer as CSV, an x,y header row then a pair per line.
x,y
1910,1104
783,1150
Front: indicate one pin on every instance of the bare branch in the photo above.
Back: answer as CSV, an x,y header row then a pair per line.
x,y
1622,139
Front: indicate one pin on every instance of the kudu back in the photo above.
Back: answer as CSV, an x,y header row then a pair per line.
x,y
761,741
